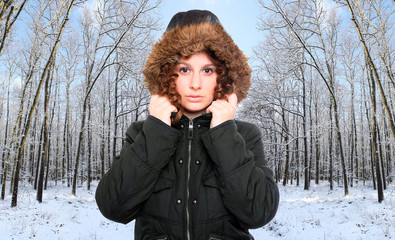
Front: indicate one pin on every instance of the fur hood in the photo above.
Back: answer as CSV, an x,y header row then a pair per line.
x,y
185,40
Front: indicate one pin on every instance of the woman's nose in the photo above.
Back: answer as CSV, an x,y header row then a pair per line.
x,y
195,82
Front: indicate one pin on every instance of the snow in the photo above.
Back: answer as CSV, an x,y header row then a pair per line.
x,y
314,214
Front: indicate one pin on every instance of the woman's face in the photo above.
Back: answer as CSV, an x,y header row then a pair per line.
x,y
196,81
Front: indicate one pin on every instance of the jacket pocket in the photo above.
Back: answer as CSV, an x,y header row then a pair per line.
x,y
210,180
162,184
165,181
158,204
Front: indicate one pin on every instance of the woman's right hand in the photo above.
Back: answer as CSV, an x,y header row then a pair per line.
x,y
161,108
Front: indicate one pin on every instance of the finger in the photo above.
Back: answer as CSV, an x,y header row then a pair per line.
x,y
232,99
221,105
208,110
215,106
154,96
212,107
174,109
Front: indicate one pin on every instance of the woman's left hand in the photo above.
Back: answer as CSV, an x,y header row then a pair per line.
x,y
223,110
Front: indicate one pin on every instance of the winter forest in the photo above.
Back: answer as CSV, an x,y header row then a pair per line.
x,y
323,91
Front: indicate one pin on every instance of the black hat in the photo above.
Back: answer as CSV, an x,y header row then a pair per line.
x,y
192,17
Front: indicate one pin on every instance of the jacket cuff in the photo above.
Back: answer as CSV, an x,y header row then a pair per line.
x,y
160,142
227,147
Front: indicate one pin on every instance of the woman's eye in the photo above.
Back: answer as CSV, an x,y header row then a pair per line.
x,y
184,69
208,70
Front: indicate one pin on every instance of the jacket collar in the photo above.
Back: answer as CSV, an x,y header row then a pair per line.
x,y
203,120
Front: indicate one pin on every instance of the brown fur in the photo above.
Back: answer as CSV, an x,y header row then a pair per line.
x,y
185,41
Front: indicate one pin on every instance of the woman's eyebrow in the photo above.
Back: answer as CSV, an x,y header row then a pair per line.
x,y
185,63
190,66
209,65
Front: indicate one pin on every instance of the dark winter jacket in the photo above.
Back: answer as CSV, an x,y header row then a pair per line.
x,y
189,181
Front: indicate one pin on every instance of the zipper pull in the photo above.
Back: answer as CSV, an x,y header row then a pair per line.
x,y
190,129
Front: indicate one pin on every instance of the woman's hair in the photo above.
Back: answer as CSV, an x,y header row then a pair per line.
x,y
168,76
189,33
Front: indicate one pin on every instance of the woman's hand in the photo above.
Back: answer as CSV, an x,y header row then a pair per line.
x,y
161,108
223,110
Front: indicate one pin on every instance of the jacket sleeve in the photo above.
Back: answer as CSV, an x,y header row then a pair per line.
x,y
128,184
246,183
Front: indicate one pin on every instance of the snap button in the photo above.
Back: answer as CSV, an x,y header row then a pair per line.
x,y
197,162
199,126
180,161
178,201
182,126
194,201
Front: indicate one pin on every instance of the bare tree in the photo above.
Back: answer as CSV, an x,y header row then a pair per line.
x,y
9,13
350,59
33,57
45,136
4,163
303,32
32,109
307,166
128,19
355,5
55,142
375,141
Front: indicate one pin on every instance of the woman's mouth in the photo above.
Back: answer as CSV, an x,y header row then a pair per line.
x,y
194,98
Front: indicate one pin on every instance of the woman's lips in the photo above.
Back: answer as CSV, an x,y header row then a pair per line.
x,y
194,98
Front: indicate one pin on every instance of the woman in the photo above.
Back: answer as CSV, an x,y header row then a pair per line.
x,y
190,171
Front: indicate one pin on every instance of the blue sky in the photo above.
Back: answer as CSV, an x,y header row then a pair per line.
x,y
239,18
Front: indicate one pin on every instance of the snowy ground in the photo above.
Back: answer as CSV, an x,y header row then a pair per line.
x,y
314,214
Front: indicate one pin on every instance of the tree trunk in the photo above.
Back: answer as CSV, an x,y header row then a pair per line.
x,y
286,143
381,157
50,136
279,162
339,139
388,152
4,163
114,146
317,148
380,193
66,139
77,159
355,145
306,158
46,134
331,148
7,117
352,137
296,153
108,140
89,157
103,140
58,147
39,157
32,153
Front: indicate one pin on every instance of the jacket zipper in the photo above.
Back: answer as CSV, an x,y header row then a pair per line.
x,y
190,137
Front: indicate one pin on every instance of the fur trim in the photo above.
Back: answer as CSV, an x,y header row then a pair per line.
x,y
187,40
